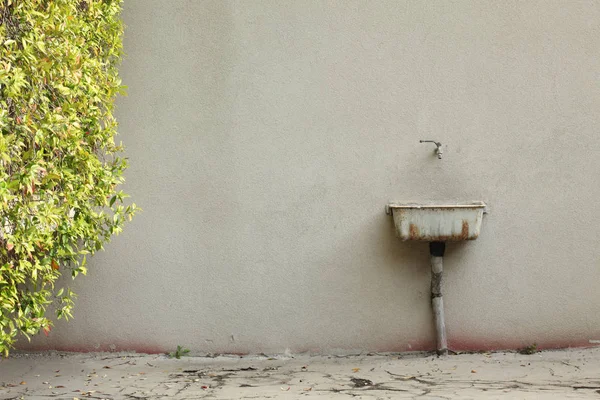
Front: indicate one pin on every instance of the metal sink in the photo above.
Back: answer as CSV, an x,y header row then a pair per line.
x,y
437,222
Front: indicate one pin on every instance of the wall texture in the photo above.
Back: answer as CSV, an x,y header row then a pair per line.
x,y
265,139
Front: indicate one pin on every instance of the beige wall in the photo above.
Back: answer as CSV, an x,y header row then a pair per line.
x,y
266,137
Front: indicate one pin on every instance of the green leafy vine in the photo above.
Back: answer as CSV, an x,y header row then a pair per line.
x,y
60,167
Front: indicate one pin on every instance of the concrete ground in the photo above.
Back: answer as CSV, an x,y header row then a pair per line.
x,y
548,375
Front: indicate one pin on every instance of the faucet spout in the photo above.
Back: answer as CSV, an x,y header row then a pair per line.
x,y
438,147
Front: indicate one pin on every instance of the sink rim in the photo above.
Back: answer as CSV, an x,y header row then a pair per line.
x,y
418,206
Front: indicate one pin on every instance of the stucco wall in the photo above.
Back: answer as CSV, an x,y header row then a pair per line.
x,y
265,139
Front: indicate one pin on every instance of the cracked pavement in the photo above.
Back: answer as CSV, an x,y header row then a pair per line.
x,y
561,374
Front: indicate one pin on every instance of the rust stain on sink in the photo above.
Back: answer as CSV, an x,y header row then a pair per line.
x,y
464,234
413,232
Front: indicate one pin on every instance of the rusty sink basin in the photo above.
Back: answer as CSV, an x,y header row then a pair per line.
x,y
437,222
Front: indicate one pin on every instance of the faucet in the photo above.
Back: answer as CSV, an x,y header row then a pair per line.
x,y
438,149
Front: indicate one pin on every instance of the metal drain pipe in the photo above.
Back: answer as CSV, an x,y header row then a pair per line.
x,y
437,249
